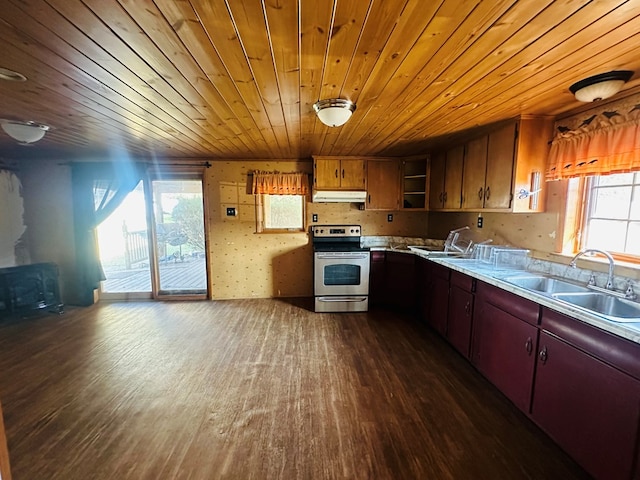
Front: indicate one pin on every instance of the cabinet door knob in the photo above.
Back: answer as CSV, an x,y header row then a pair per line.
x,y
467,308
343,173
445,197
529,345
487,193
336,173
480,192
440,196
543,356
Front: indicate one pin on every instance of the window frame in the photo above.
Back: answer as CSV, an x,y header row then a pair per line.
x,y
586,188
261,213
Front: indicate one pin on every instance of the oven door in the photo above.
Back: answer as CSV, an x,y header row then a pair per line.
x,y
341,273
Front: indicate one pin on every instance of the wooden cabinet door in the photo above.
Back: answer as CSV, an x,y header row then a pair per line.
x,y
326,173
352,174
504,350
383,185
436,185
500,158
400,280
439,304
459,321
453,178
589,408
377,293
475,169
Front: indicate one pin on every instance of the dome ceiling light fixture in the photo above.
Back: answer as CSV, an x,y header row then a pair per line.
x,y
25,133
600,86
334,112
11,76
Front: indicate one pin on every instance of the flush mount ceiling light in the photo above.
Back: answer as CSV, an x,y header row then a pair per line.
x,y
25,133
600,86
334,112
11,76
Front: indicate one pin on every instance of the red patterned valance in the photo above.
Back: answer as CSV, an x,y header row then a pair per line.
x,y
276,183
600,141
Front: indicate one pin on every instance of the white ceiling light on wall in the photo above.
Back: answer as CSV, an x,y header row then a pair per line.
x,y
600,86
334,112
25,133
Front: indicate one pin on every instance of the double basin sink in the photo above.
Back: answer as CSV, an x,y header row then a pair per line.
x,y
609,306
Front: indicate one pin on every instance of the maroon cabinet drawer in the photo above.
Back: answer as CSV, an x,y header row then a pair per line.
x,y
509,302
465,282
617,351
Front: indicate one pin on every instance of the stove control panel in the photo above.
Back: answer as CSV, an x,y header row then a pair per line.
x,y
335,231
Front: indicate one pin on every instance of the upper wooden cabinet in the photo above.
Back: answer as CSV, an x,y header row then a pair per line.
x,y
383,184
336,173
497,171
446,179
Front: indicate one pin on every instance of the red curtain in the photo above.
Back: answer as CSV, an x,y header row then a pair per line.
x,y
276,183
600,141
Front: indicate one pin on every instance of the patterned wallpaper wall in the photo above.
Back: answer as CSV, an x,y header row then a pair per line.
x,y
245,264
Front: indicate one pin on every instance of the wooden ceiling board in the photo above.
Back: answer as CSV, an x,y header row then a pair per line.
x,y
238,78
100,74
183,19
409,90
461,77
531,83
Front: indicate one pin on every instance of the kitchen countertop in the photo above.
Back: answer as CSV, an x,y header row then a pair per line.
x,y
628,330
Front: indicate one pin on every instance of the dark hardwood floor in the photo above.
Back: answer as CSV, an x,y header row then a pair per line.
x,y
254,389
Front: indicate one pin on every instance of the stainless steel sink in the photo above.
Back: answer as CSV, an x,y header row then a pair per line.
x,y
544,284
613,308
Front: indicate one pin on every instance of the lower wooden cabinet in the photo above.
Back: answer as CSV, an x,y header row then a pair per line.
x,y
590,408
504,349
392,280
460,314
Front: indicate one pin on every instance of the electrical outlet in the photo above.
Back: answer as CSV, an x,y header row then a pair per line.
x,y
390,217
314,217
480,221
231,211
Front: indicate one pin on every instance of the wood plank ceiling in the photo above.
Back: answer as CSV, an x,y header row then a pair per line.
x,y
238,78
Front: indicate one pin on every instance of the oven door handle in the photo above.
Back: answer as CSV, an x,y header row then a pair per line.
x,y
342,299
342,255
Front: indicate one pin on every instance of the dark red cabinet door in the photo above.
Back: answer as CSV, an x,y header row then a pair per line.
x,y
400,280
439,304
460,315
589,408
504,350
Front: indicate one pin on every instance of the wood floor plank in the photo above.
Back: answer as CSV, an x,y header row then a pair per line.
x,y
254,389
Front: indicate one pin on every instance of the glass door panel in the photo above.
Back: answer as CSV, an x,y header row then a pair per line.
x,y
124,248
179,237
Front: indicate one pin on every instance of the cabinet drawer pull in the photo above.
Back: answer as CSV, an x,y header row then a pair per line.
x,y
543,356
480,192
529,345
467,308
487,193
445,197
336,173
343,173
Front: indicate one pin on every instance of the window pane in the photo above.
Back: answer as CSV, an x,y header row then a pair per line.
x,y
611,202
284,212
617,179
606,235
633,239
634,214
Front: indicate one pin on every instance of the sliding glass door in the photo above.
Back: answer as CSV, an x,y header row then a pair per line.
x,y
153,245
179,237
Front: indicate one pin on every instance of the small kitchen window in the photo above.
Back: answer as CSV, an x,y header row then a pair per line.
x,y
280,213
611,215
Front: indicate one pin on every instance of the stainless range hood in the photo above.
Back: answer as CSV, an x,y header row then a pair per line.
x,y
339,196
